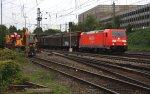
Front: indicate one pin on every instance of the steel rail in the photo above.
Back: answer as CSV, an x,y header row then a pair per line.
x,y
95,65
79,79
112,56
109,79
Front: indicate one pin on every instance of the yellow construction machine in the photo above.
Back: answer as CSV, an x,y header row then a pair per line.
x,y
26,41
29,41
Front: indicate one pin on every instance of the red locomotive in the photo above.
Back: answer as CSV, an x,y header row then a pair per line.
x,y
108,39
98,40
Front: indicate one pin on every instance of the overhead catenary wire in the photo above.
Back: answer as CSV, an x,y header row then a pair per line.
x,y
86,6
61,14
11,3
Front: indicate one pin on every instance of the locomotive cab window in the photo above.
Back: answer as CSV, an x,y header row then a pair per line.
x,y
118,34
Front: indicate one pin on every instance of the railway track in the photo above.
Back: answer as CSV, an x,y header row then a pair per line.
x,y
136,77
144,69
138,64
137,55
108,84
124,57
135,66
138,58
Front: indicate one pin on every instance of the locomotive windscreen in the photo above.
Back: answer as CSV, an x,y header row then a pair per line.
x,y
118,34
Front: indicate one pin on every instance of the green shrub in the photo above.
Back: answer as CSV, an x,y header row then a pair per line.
x,y
7,54
3,30
10,73
139,40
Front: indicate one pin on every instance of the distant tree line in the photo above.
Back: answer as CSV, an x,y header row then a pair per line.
x,y
7,31
3,31
90,23
39,31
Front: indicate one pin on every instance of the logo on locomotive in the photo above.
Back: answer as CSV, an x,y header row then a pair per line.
x,y
91,38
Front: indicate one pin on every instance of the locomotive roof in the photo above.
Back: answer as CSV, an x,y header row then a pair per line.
x,y
92,32
97,31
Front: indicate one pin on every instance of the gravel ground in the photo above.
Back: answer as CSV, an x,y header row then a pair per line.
x,y
79,88
142,52
76,87
120,61
69,62
125,62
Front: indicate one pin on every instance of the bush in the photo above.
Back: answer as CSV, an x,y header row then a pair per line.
x,y
3,30
7,54
10,73
139,40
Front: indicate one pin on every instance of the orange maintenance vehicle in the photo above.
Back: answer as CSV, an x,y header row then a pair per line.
x,y
25,41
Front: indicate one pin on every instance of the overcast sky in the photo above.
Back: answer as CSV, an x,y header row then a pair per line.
x,y
57,12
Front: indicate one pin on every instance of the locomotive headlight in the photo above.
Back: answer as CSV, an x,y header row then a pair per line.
x,y
124,41
125,44
113,40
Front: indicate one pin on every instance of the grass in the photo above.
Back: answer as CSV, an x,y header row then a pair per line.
x,y
44,77
138,48
10,68
35,74
38,74
139,40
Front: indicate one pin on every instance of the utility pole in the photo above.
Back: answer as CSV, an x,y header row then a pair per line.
x,y
25,21
1,12
24,15
39,18
66,27
70,29
114,15
60,27
36,2
76,4
1,24
49,19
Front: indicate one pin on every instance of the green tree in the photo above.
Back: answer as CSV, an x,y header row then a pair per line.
x,y
12,29
78,27
3,31
108,26
100,26
19,31
129,28
51,31
38,30
117,22
90,23
75,27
